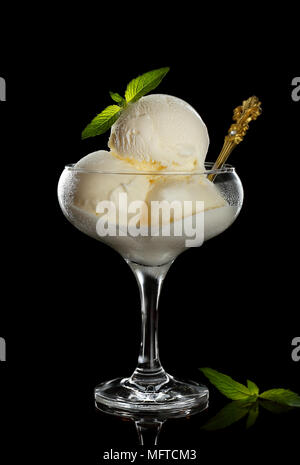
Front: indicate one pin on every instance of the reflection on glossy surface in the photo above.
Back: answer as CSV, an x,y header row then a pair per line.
x,y
234,418
148,431
148,427
238,409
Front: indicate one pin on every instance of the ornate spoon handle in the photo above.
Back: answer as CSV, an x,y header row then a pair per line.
x,y
242,115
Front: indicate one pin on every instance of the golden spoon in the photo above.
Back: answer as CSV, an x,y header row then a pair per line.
x,y
242,115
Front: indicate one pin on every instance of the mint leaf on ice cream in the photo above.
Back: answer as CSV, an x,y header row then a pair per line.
x,y
143,84
102,122
136,89
117,98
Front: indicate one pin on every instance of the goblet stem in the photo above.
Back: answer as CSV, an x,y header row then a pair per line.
x,y
149,374
150,390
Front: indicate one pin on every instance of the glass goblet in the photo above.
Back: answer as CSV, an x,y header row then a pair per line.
x,y
150,251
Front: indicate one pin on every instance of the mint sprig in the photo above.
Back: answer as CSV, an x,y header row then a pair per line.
x,y
102,122
143,84
226,385
117,98
246,400
136,89
237,391
282,396
252,388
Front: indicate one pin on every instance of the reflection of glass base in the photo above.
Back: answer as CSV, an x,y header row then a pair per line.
x,y
172,398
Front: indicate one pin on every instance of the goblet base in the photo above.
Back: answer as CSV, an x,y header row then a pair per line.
x,y
171,398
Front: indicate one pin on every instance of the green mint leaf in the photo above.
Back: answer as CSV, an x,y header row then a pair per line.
x,y
102,122
227,386
143,84
252,388
117,98
282,396
228,415
273,407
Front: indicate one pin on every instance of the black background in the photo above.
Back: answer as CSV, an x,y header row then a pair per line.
x,y
70,311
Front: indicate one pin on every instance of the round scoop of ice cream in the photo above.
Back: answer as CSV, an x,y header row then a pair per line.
x,y
162,131
181,189
91,188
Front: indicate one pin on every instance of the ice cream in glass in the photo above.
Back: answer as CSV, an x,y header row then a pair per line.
x,y
149,196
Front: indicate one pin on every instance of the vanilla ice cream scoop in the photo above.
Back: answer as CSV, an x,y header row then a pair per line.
x,y
89,188
161,131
